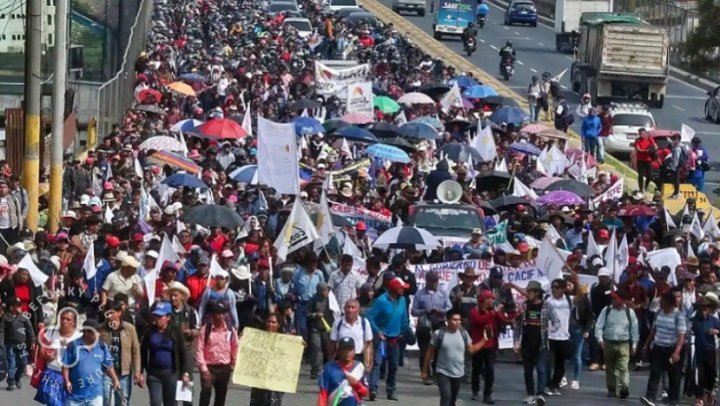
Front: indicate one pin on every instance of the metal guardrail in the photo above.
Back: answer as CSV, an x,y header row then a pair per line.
x,y
117,94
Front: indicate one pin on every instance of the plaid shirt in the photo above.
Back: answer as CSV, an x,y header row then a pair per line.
x,y
547,315
344,286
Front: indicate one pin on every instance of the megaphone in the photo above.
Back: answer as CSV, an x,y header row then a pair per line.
x,y
449,191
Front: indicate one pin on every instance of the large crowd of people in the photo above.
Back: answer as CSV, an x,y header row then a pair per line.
x,y
136,291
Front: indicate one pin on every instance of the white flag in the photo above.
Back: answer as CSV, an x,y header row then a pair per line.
x,y
297,232
669,222
179,226
611,254
557,161
400,119
553,234
614,192
696,228
623,254
108,173
138,169
502,166
349,248
304,113
453,98
686,133
324,223
89,264
344,147
150,279
215,268
38,277
551,259
108,215
666,256
592,247
484,143
177,246
167,253
522,190
540,167
277,157
247,121
690,252
559,76
262,204
183,143
711,228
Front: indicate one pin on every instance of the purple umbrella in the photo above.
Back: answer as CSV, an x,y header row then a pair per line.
x,y
558,197
467,103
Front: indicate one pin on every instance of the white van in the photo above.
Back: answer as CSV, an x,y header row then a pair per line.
x,y
409,5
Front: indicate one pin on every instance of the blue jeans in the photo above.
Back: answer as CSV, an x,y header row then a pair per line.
x,y
126,384
301,321
577,340
533,110
591,145
17,360
543,369
392,354
98,401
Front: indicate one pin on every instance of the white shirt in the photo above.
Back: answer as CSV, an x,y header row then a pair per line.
x,y
354,331
562,308
115,283
59,344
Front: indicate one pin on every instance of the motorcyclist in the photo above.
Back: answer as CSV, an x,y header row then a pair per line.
x,y
507,52
469,32
482,9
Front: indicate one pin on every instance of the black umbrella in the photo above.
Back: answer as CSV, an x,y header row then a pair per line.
x,y
505,201
401,143
570,185
406,237
212,215
492,180
419,131
150,108
460,152
303,104
502,100
434,90
384,130
463,125
488,210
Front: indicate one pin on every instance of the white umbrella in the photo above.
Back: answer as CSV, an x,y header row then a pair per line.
x,y
162,143
406,237
415,98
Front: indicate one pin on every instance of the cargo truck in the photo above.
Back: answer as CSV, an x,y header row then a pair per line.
x,y
620,57
452,17
567,20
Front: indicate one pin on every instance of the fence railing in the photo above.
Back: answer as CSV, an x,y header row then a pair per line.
x,y
117,94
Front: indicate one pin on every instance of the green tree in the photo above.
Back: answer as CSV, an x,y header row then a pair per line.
x,y
703,45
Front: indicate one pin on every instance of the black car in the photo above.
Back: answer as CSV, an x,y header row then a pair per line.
x,y
712,105
447,220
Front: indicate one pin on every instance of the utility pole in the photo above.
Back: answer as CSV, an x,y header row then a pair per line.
x,y
58,124
31,163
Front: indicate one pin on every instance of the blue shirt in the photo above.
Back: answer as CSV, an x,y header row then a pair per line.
x,y
573,238
306,284
426,300
667,327
161,352
700,327
388,316
332,376
591,127
87,369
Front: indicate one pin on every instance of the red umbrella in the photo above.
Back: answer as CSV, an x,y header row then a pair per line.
x,y
636,210
149,96
220,128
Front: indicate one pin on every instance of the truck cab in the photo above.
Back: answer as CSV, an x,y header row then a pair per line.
x,y
452,17
567,20
621,58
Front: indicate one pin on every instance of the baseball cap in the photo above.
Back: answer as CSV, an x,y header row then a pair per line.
x,y
162,309
227,254
487,294
604,272
346,343
398,283
221,274
496,272
604,233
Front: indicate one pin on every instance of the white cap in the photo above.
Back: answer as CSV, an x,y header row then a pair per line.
x,y
604,272
152,254
84,200
222,273
598,262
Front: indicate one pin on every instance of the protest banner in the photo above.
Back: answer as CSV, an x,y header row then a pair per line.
x,y
452,241
505,338
521,276
277,156
614,192
360,98
499,236
447,270
355,214
330,81
268,361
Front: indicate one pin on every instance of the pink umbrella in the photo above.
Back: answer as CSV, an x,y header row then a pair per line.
x,y
357,118
542,183
534,128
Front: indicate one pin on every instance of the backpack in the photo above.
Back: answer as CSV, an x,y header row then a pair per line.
x,y
441,336
362,323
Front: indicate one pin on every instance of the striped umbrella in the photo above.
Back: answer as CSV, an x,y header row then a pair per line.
x,y
406,237
175,160
247,174
185,125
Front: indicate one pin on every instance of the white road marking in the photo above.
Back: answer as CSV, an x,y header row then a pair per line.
x,y
516,33
533,70
541,44
482,40
506,28
706,133
682,97
568,57
678,108
493,47
520,63
563,86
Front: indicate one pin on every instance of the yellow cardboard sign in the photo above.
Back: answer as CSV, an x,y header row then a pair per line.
x,y
268,361
686,191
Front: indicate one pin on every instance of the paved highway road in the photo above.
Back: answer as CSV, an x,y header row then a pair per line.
x,y
536,53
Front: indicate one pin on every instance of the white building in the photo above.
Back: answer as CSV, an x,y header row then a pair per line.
x,y
12,25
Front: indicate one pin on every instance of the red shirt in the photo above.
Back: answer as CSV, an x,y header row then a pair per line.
x,y
489,320
23,292
635,294
644,144
197,285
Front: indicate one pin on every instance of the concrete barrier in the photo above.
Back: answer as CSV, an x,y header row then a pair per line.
x,y
437,49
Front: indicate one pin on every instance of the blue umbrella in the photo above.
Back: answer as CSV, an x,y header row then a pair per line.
x,y
419,131
185,125
460,152
431,121
463,81
479,92
356,134
509,115
192,76
525,148
247,174
182,179
388,152
308,125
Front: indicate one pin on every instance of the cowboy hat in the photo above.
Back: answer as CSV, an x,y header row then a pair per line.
x,y
129,261
242,272
175,285
469,273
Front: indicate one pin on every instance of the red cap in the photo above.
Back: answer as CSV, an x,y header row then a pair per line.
x,y
263,264
603,233
137,237
397,283
361,226
169,265
632,260
615,296
487,294
112,241
520,207
523,247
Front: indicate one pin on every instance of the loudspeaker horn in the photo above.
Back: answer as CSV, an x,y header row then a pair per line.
x,y
449,191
